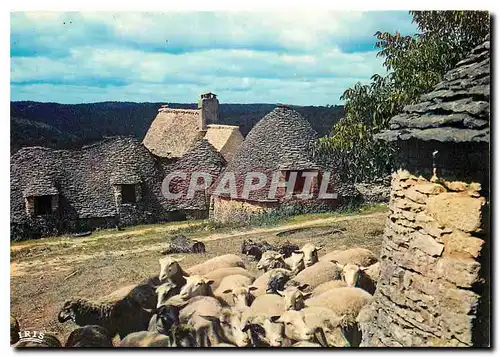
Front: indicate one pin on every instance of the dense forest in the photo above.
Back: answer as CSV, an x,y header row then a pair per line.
x,y
69,126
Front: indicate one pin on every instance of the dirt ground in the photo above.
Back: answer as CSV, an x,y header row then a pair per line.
x,y
44,275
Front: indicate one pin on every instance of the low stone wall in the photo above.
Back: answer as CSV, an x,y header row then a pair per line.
x,y
234,211
376,192
433,287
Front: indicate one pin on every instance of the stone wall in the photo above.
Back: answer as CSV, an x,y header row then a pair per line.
x,y
433,289
226,210
85,185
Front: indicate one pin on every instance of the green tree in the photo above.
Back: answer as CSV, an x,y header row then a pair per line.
x,y
414,64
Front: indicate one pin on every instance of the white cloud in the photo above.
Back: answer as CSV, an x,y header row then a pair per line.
x,y
301,57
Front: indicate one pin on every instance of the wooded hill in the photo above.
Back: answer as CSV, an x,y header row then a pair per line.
x,y
66,126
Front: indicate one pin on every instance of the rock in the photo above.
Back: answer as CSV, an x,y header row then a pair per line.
x,y
456,210
416,196
408,205
429,188
456,186
461,272
462,245
427,244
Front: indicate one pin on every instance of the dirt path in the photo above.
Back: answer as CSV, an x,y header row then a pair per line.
x,y
285,227
136,232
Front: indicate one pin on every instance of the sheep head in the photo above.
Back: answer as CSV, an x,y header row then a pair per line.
x,y
277,281
295,326
167,316
294,297
242,295
196,285
351,273
231,326
169,267
266,329
310,253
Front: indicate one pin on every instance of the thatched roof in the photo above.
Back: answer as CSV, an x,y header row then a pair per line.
x,y
457,110
84,178
226,139
173,132
281,140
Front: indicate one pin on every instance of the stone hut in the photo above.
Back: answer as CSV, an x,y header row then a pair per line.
x,y
174,131
279,144
434,284
115,181
204,161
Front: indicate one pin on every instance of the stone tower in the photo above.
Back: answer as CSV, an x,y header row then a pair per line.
x,y
434,283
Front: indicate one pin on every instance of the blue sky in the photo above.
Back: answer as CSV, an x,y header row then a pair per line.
x,y
296,57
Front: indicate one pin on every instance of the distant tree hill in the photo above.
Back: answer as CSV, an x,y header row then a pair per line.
x,y
70,126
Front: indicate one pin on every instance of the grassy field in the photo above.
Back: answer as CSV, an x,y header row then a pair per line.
x,y
46,272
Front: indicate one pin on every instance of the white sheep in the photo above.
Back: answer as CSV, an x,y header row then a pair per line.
x,y
191,314
265,331
356,276
229,327
145,339
235,290
294,297
317,323
346,301
219,274
270,305
317,274
332,284
171,271
196,286
165,291
223,261
310,254
266,305
359,256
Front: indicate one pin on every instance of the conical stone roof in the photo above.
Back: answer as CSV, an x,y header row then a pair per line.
x,y
281,140
202,157
457,110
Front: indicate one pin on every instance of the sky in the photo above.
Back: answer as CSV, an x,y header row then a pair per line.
x,y
294,57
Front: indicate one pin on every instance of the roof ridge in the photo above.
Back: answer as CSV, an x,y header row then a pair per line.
x,y
178,110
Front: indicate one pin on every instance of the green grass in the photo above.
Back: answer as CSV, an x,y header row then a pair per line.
x,y
201,226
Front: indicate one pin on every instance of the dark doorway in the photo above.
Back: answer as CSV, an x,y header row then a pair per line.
x,y
128,194
43,205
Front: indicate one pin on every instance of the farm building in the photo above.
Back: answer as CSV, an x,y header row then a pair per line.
x,y
115,181
279,146
118,181
174,131
434,284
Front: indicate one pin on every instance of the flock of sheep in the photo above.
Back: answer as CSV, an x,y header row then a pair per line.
x,y
300,300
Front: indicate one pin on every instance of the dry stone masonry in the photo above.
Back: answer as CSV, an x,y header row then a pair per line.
x,y
427,293
434,284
